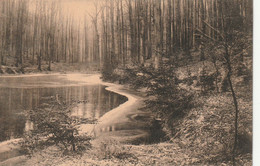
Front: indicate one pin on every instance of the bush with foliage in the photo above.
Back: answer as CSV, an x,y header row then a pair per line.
x,y
165,97
54,125
107,72
127,75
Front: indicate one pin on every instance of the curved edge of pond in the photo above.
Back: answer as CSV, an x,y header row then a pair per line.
x,y
112,115
126,123
126,114
130,101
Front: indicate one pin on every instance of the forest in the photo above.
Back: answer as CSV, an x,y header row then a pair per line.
x,y
119,32
191,59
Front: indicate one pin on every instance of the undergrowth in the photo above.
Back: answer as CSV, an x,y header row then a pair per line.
x,y
195,106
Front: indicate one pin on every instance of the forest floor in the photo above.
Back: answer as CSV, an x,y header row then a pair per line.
x,y
163,154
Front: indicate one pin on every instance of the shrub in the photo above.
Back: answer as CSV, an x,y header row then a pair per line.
x,y
165,97
128,75
54,125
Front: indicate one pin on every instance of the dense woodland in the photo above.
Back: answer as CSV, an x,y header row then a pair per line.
x,y
191,57
143,31
180,51
37,31
120,32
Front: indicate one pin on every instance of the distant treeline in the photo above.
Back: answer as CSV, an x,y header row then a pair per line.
x,y
123,31
139,30
37,31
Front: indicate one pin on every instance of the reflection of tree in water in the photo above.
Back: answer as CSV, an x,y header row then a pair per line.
x,y
19,125
97,101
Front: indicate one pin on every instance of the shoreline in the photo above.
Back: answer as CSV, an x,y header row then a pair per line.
x,y
28,75
107,124
125,117
46,73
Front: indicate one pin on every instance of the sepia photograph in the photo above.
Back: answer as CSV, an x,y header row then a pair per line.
x,y
127,83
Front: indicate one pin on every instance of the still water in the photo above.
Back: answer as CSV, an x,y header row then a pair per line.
x,y
26,93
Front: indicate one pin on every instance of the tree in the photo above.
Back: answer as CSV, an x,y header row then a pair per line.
x,y
165,97
231,40
96,40
54,125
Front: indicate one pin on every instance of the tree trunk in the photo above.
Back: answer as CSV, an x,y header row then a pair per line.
x,y
228,63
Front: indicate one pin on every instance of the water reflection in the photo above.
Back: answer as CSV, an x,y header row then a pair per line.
x,y
97,101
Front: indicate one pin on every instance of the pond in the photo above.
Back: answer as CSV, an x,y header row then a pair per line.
x,y
27,93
